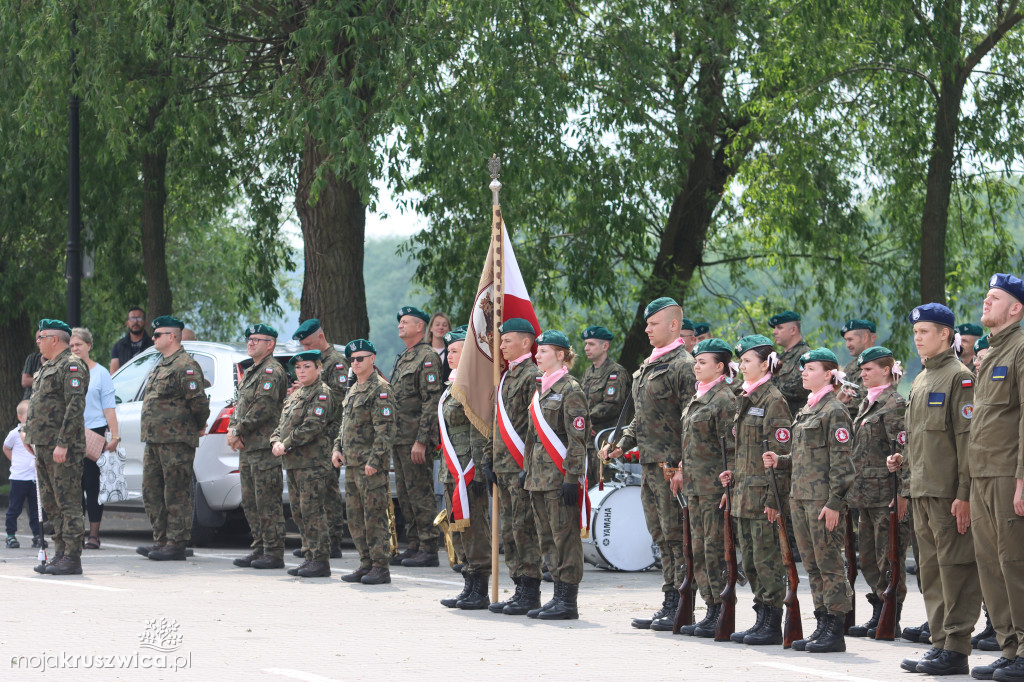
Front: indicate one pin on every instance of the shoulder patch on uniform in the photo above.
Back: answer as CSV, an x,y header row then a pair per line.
x,y
967,411
782,435
386,411
901,438
339,367
428,363
431,378
579,423
613,377
999,373
75,383
967,383
267,385
269,370
319,411
842,435
72,368
342,379
611,390
190,371
936,399
322,396
192,385
383,396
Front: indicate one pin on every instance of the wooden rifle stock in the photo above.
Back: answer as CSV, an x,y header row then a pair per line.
x,y
792,628
851,570
726,623
887,619
684,614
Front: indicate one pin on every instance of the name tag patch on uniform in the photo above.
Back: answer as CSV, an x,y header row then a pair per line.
x,y
319,411
611,390
936,399
267,385
999,373
901,438
555,396
842,435
756,411
386,411
782,435
431,378
75,383
967,411
967,383
192,385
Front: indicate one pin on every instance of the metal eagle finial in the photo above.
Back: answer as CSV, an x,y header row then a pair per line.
x,y
494,166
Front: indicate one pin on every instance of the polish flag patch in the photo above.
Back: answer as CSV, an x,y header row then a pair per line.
x,y
579,423
322,396
383,396
842,435
190,371
339,367
428,363
613,377
72,368
782,435
967,383
268,370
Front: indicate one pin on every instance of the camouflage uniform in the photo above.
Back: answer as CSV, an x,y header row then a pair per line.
x,y
257,412
416,384
367,429
304,430
787,377
518,530
661,389
473,544
175,408
822,475
55,420
564,408
878,424
334,373
705,421
852,371
606,388
763,415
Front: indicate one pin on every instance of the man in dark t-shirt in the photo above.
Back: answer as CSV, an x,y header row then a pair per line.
x,y
132,343
32,364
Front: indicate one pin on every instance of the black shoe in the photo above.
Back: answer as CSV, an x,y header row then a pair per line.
x,y
68,565
144,550
926,634
669,604
989,631
355,576
545,575
989,644
499,606
168,552
378,575
267,561
246,561
946,663
911,570
295,571
467,587
477,598
458,567
1011,673
316,569
876,611
422,559
335,551
402,556
39,541
533,613
565,608
985,672
529,598
297,552
770,632
910,664
801,644
832,639
762,611
706,628
913,634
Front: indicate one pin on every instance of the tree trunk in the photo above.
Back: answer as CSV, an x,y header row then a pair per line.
x,y
16,340
333,230
154,238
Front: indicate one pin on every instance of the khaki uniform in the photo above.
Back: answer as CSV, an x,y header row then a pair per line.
x,y
564,408
257,411
304,430
938,420
367,430
416,383
518,530
787,378
876,427
705,421
175,408
334,373
606,388
661,390
763,415
822,474
997,463
55,420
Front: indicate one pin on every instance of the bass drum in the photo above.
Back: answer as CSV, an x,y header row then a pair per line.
x,y
618,540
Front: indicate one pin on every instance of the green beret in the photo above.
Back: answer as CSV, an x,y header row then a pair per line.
x,y
597,332
752,341
310,326
516,324
981,344
687,324
818,355
701,328
784,316
312,355
712,346
553,337
168,321
853,325
357,345
260,328
970,329
55,325
453,336
461,328
658,304
873,353
414,311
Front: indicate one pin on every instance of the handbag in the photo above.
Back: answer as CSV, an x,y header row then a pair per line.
x,y
94,444
112,484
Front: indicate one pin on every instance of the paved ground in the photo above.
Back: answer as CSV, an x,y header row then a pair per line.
x,y
243,624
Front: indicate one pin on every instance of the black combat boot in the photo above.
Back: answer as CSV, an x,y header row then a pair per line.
x,y
467,587
245,561
297,552
706,628
708,614
762,611
357,576
266,561
896,626
336,550
913,634
668,604
477,598
528,600
986,672
926,634
565,608
41,568
946,663
867,629
667,620
910,664
984,634
801,644
770,632
168,552
1011,673
498,606
295,571
534,612
68,565
316,569
378,575
402,556
987,638
421,559
144,550
832,638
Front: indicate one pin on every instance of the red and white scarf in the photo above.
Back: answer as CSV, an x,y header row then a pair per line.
x,y
556,450
462,477
512,440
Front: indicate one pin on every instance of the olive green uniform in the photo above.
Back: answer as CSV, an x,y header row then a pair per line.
x,y
997,463
606,388
175,408
564,408
55,420
938,420
257,411
334,373
787,377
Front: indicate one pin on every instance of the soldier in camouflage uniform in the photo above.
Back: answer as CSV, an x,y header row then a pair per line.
x,y
687,334
334,374
416,384
518,530
786,329
762,414
706,420
364,446
858,335
55,427
662,387
822,474
257,412
606,384
701,331
553,471
878,425
175,408
471,535
303,439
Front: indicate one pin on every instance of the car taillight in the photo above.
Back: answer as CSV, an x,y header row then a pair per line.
x,y
220,424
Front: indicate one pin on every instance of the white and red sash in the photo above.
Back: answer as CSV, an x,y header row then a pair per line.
x,y
509,437
462,477
556,451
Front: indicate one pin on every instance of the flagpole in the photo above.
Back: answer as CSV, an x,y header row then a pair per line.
x,y
497,243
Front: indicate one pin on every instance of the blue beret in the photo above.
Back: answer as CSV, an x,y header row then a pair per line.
x,y
784,316
55,325
659,304
752,341
852,325
702,328
516,324
168,321
453,336
1008,283
553,337
358,345
818,355
873,353
597,332
311,355
687,324
310,326
414,311
260,328
712,346
933,312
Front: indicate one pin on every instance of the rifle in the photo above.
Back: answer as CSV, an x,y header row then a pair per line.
x,y
886,628
616,435
792,629
684,614
726,624
851,571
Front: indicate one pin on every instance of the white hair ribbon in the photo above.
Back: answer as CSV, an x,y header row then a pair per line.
x,y
958,343
897,370
773,362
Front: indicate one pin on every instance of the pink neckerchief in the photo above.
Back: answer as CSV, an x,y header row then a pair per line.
x,y
703,388
749,388
658,352
520,360
813,398
873,393
549,380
